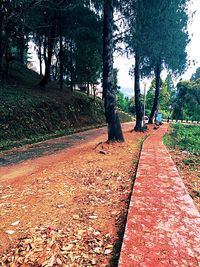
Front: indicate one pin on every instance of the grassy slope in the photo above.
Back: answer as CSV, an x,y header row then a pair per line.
x,y
29,114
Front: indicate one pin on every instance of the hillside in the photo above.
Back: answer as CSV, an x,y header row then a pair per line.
x,y
29,114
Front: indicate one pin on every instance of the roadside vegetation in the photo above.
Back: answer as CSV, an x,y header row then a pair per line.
x,y
28,114
184,144
185,138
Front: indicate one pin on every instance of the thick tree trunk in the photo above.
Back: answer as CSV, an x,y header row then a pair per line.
x,y
138,103
154,109
109,93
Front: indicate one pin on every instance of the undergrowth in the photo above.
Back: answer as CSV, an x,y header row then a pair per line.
x,y
184,137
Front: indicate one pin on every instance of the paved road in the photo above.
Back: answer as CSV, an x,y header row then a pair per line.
x,y
47,147
52,146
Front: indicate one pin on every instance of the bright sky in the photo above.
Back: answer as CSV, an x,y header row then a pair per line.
x,y
124,64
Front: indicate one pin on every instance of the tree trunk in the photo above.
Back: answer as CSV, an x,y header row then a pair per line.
x,y
7,62
109,93
94,91
71,70
51,40
21,48
88,88
61,58
45,50
1,46
154,109
40,55
138,104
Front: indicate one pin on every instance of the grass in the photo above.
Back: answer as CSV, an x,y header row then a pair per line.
x,y
29,114
184,137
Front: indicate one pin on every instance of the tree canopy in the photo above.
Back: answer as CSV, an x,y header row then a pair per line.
x,y
186,104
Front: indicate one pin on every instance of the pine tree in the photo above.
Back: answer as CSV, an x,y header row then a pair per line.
x,y
109,92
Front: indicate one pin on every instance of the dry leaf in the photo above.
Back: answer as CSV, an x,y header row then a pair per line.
x,y
59,206
58,261
108,251
67,248
10,232
98,250
76,217
93,217
15,223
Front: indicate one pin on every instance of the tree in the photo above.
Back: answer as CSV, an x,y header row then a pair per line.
x,y
196,75
150,97
168,41
88,50
68,37
12,28
109,92
134,11
186,104
157,37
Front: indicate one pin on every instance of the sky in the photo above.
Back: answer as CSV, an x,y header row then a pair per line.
x,y
123,64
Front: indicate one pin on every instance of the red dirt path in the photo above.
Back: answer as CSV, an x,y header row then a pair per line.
x,y
66,209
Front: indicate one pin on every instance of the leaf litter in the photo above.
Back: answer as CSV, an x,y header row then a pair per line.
x,y
72,220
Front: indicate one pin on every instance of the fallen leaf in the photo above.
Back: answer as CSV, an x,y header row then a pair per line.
x,y
59,206
76,217
67,248
15,223
108,251
93,217
93,262
52,228
10,232
98,250
58,261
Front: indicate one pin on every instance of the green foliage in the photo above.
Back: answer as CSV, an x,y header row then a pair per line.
x,y
186,104
88,44
47,23
124,117
184,137
20,73
131,106
158,32
122,101
150,95
192,161
166,97
24,114
196,75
